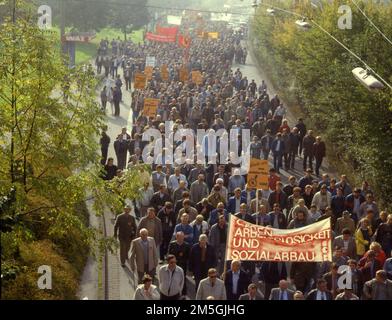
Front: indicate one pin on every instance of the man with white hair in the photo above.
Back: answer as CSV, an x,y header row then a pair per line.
x,y
282,293
236,181
144,255
201,258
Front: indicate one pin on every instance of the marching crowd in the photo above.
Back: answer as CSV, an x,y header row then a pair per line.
x,y
182,217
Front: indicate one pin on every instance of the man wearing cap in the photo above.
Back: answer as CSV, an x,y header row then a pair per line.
x,y
125,230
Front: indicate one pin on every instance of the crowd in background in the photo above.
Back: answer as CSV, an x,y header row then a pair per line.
x,y
183,214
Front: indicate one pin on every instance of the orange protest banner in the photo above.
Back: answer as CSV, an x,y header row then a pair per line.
x,y
164,72
258,174
197,77
251,242
150,107
148,72
140,81
183,74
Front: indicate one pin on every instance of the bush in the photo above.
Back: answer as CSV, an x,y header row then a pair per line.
x,y
32,256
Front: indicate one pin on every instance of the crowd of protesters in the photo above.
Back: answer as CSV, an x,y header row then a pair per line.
x,y
183,214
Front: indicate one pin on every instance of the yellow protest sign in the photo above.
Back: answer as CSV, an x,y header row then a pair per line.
x,y
258,174
164,73
213,35
150,107
148,72
183,74
197,77
140,81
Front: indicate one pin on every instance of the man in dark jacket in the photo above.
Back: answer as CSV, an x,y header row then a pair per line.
x,y
180,249
319,152
104,142
125,230
236,281
278,196
321,293
301,132
307,144
266,144
117,97
278,149
159,198
201,258
168,220
294,139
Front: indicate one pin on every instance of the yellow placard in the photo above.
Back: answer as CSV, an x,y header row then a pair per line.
x,y
148,72
164,73
140,81
183,74
197,77
258,174
213,35
150,107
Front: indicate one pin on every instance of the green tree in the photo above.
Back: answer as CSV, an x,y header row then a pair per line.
x,y
49,129
128,16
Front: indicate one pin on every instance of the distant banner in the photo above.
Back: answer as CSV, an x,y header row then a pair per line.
x,y
167,31
208,35
258,174
250,242
159,38
175,20
150,107
140,81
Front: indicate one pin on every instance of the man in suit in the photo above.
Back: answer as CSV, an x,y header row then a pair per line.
x,y
282,292
236,281
159,198
201,258
125,229
180,249
345,222
153,225
158,178
222,175
233,205
244,215
211,287
144,255
379,288
321,292
332,278
346,242
252,294
277,218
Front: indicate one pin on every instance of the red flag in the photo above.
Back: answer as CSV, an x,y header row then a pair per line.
x,y
160,38
184,41
167,31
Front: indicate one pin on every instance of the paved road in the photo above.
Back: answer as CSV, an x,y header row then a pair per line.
x,y
121,280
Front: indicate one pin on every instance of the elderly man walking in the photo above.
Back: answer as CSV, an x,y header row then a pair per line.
x,y
211,287
144,255
171,279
